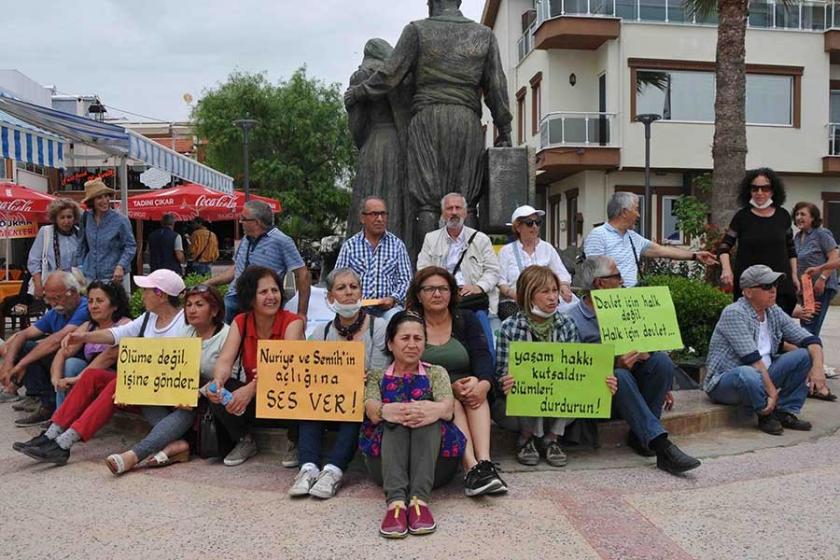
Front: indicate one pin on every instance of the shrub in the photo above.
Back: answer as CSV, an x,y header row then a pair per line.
x,y
136,303
698,307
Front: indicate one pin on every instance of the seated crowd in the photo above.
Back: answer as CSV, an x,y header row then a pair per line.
x,y
436,376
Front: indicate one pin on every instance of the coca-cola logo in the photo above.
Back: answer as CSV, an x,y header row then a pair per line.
x,y
225,201
16,206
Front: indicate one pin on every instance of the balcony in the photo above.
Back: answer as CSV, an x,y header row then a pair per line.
x,y
831,162
576,141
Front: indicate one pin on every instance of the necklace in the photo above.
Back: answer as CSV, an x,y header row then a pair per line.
x,y
351,329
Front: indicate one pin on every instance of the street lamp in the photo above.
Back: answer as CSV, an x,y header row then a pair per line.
x,y
647,119
246,125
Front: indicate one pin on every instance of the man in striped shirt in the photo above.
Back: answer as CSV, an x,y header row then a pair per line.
x,y
379,258
617,239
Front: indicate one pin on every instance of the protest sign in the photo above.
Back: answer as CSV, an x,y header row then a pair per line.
x,y
159,371
309,380
560,380
637,319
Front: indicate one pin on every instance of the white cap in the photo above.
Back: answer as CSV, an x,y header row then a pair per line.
x,y
524,212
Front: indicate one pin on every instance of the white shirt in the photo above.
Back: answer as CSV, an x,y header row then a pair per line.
x,y
210,350
456,247
765,342
544,255
176,328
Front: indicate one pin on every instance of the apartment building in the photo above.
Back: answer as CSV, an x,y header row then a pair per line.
x,y
579,71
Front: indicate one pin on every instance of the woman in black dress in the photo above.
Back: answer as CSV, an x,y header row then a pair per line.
x,y
761,229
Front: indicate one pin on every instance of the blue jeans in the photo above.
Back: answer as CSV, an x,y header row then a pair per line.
x,y
815,324
72,368
488,334
310,439
37,377
168,425
231,307
641,395
200,268
743,386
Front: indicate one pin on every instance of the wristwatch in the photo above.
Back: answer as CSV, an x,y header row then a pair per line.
x,y
694,256
823,277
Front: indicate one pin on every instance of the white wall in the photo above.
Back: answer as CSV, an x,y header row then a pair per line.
x,y
23,87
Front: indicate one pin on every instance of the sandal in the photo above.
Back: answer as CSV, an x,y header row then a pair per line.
x,y
115,464
827,396
161,459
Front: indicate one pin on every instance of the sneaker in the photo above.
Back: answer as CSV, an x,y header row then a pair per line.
x,y
326,485
290,459
528,454
26,404
554,455
42,414
244,450
48,453
634,443
791,422
483,479
675,461
8,397
770,424
395,524
37,441
420,520
303,482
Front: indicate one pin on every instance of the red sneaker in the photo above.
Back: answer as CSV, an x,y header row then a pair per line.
x,y
395,525
420,520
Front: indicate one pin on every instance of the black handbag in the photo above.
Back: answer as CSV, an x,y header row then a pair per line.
x,y
472,302
208,436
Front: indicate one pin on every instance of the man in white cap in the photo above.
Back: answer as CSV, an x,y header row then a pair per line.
x,y
618,240
528,249
744,366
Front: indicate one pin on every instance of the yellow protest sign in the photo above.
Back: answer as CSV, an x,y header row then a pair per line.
x,y
311,380
158,371
637,319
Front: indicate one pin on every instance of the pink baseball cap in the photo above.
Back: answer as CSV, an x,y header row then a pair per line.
x,y
164,280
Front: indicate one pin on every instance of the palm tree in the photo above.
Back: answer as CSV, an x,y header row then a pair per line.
x,y
729,149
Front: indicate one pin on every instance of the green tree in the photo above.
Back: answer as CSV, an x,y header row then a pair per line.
x,y
301,152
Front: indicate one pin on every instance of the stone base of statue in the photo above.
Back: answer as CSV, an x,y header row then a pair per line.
x,y
509,182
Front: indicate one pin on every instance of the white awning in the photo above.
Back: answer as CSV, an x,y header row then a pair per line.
x,y
118,141
22,142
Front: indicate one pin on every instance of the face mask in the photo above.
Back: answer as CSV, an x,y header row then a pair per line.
x,y
767,204
537,312
345,310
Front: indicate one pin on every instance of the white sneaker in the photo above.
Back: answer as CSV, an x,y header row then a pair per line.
x,y
303,482
244,450
326,485
290,459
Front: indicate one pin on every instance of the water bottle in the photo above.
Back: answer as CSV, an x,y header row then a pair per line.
x,y
226,396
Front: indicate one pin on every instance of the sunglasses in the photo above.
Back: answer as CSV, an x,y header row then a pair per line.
x,y
768,287
532,223
199,289
761,188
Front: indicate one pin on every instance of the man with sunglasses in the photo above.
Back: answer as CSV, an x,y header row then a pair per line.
x,y
644,379
617,239
744,364
379,258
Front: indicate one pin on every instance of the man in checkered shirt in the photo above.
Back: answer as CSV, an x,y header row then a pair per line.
x,y
379,258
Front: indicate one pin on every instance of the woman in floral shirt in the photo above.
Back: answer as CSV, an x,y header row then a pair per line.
x,y
408,438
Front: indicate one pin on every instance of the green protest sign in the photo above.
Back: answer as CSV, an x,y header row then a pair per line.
x,y
637,319
560,380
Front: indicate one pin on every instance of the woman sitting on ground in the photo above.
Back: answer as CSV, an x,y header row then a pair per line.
x,y
90,404
409,440
204,313
344,295
456,342
260,294
538,294
108,306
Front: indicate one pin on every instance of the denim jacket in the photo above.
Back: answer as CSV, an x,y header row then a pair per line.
x,y
105,245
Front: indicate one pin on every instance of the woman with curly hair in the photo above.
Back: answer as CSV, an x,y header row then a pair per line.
x,y
762,232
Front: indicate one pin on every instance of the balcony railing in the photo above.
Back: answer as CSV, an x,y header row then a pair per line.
x,y
569,128
834,139
526,42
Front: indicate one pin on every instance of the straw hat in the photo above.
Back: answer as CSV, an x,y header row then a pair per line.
x,y
95,188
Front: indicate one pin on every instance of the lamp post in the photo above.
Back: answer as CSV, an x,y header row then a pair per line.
x,y
647,119
246,125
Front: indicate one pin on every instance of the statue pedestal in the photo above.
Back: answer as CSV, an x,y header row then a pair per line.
x,y
509,182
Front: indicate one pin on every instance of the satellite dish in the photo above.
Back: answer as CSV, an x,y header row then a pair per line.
x,y
188,98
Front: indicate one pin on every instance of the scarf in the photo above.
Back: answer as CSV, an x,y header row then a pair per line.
x,y
351,329
541,332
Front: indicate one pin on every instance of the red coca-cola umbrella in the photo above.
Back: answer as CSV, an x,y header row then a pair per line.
x,y
22,204
190,200
232,212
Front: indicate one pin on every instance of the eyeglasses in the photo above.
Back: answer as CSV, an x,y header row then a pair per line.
x,y
532,223
768,287
243,220
200,289
761,188
616,276
377,214
429,290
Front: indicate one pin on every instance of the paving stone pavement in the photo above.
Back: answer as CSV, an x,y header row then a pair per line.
x,y
755,497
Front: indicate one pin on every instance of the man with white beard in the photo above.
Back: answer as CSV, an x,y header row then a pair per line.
x,y
468,254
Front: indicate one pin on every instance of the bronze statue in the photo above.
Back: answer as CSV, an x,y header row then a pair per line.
x,y
450,61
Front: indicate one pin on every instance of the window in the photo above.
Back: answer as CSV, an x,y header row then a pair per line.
x,y
536,103
689,95
556,220
520,116
671,234
574,219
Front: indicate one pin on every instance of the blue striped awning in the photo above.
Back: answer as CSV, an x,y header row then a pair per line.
x,y
22,142
116,140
